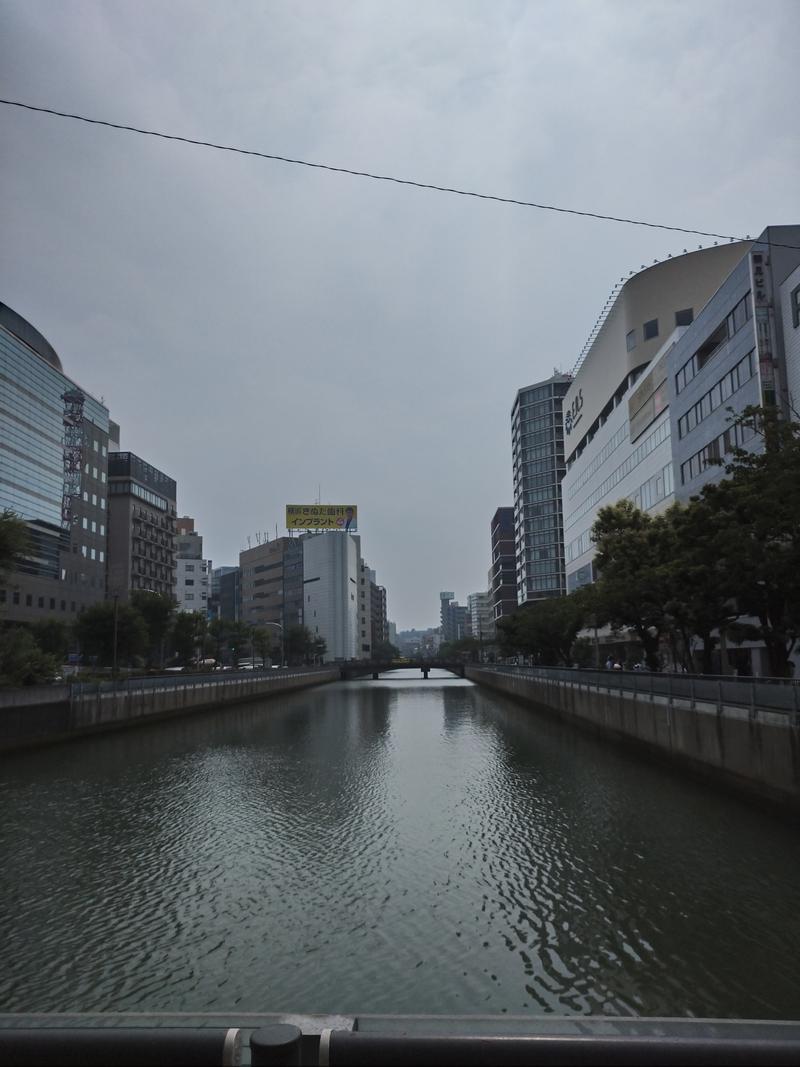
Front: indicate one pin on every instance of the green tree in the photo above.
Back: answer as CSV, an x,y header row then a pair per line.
x,y
157,610
94,629
544,630
217,633
385,652
53,637
22,662
756,533
184,636
700,595
238,641
633,589
466,648
301,646
13,540
261,642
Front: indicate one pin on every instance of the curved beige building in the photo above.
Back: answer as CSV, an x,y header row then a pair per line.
x,y
617,438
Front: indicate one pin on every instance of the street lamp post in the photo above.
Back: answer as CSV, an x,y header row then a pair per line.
x,y
280,627
116,613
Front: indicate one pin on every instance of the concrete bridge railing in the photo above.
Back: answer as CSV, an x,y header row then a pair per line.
x,y
743,732
46,714
362,668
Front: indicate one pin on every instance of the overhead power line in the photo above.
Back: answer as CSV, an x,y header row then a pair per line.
x,y
375,177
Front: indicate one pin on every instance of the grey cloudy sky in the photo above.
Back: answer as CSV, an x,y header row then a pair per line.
x,y
260,329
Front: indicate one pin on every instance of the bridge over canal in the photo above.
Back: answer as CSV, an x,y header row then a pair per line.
x,y
373,668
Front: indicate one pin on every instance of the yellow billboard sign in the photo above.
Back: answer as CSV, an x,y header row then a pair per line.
x,y
322,517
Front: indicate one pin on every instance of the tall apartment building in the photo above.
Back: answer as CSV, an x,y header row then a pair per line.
x,y
215,599
331,577
54,444
380,625
454,618
272,583
192,572
141,527
365,609
617,417
503,571
537,436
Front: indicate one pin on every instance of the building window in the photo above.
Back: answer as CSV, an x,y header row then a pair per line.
x,y
103,477
52,603
685,317
41,601
190,596
102,556
94,499
96,446
102,503
794,304
650,329
93,554
630,340
63,605
28,600
190,581
94,526
85,523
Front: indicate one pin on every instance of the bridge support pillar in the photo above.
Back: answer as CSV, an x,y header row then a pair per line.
x,y
425,671
374,676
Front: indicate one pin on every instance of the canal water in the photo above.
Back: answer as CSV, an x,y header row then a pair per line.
x,y
387,846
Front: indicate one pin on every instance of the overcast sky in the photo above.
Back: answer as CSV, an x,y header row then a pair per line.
x,y
260,330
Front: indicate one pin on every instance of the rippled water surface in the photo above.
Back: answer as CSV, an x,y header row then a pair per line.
x,y
390,846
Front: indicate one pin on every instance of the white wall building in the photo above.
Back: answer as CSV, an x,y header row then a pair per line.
x,y
331,576
481,614
192,587
616,411
193,584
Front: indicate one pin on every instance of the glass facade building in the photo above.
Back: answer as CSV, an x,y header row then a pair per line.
x,y
537,434
52,476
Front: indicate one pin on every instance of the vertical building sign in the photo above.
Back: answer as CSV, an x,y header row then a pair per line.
x,y
761,285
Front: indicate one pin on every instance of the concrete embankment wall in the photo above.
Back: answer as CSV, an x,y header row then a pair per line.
x,y
757,753
46,714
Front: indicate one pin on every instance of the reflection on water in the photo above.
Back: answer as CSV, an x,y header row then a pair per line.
x,y
389,846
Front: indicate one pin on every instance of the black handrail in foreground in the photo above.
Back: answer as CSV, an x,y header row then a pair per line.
x,y
378,1050
468,1042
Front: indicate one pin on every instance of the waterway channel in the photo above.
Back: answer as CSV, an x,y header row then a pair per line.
x,y
387,846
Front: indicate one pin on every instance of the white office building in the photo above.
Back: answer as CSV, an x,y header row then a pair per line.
x,y
192,588
481,615
616,411
331,577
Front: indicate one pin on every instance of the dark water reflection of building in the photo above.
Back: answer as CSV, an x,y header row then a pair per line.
x,y
386,846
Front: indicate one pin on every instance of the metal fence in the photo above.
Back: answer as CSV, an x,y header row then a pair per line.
x,y
72,691
780,695
165,682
